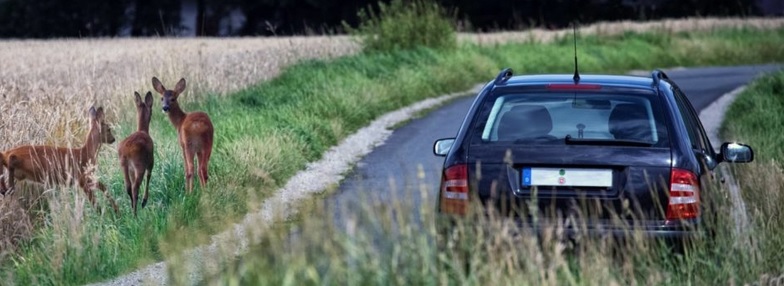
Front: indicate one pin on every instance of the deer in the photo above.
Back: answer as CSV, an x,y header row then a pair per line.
x,y
136,152
194,131
54,165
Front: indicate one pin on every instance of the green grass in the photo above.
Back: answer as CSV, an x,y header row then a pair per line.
x,y
269,131
756,118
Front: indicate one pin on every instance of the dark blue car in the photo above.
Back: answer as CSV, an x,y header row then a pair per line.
x,y
617,152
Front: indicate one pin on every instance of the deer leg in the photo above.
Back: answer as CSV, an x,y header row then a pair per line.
x,y
204,159
87,191
2,186
147,191
137,182
88,187
11,184
189,153
127,176
109,198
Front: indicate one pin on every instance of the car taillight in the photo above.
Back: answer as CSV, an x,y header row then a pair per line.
x,y
684,195
454,190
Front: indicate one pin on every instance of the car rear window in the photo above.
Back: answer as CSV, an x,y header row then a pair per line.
x,y
548,118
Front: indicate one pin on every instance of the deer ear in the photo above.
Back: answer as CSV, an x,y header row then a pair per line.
x,y
93,112
137,98
157,85
148,99
180,86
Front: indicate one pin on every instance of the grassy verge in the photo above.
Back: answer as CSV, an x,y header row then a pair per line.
x,y
269,131
756,118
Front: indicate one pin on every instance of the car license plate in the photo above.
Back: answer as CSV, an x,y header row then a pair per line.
x,y
568,177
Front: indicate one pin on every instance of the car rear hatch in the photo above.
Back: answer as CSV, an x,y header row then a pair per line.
x,y
598,155
593,182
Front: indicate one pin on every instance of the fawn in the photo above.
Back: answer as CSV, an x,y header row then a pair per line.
x,y
57,165
136,152
194,131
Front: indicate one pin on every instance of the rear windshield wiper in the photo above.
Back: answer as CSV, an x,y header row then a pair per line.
x,y
614,142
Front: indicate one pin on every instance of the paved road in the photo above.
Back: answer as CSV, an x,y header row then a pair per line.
x,y
405,163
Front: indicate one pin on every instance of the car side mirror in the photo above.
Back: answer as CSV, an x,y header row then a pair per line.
x,y
736,153
442,146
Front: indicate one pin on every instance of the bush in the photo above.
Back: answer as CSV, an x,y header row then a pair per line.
x,y
403,25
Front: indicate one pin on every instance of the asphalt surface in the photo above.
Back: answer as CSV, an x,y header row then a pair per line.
x,y
405,164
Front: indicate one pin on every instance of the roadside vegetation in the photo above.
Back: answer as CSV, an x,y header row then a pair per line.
x,y
267,131
755,118
394,243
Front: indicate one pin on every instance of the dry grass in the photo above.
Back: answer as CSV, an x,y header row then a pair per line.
x,y
15,224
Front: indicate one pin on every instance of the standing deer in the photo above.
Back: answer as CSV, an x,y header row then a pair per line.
x,y
194,131
58,165
136,152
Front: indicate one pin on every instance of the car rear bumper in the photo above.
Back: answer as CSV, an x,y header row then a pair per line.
x,y
671,231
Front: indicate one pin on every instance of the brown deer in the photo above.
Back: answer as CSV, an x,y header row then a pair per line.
x,y
194,131
136,152
58,165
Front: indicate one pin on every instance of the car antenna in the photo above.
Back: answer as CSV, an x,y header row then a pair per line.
x,y
576,72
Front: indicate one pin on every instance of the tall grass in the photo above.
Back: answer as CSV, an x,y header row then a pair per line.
x,y
268,131
755,118
396,242
404,25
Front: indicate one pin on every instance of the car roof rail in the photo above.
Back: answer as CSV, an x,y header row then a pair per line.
x,y
658,75
503,76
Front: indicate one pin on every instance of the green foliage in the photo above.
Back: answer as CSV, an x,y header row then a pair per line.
x,y
404,25
755,113
756,118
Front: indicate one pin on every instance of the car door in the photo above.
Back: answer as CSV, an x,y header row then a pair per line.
x,y
701,145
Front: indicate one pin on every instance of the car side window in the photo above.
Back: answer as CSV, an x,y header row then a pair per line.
x,y
699,132
699,139
687,118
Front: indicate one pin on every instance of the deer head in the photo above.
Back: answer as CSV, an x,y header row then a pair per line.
x,y
169,99
97,122
144,111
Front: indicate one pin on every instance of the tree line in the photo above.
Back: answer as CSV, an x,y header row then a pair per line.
x,y
90,18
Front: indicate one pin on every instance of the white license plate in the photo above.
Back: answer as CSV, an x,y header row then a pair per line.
x,y
567,177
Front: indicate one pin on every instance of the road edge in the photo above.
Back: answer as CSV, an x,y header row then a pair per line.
x,y
712,117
